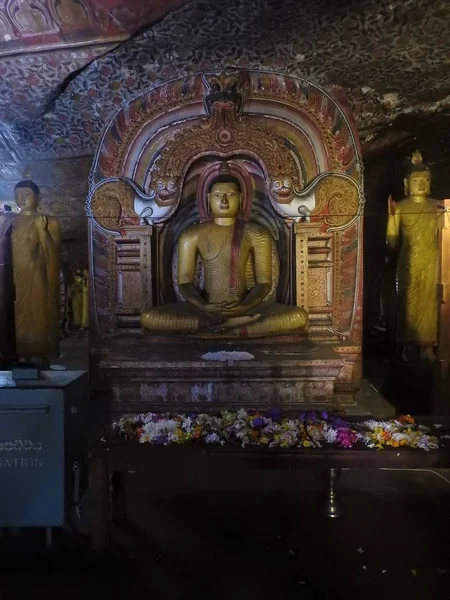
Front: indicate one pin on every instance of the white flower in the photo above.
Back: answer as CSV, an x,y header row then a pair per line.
x,y
330,435
148,418
397,437
271,428
212,438
242,414
187,424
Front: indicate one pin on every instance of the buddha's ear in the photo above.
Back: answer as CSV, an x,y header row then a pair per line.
x,y
405,185
208,204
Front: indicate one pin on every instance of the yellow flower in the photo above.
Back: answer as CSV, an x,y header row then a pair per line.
x,y
306,443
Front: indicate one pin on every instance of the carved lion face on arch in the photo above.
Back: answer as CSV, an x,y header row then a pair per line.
x,y
282,188
166,188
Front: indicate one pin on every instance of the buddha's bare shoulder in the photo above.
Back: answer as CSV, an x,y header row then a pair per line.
x,y
195,230
408,205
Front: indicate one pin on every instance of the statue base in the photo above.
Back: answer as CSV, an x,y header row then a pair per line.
x,y
210,376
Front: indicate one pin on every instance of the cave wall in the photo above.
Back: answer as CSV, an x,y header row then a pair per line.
x,y
396,82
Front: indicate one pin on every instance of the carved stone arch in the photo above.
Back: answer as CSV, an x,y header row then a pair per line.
x,y
111,205
311,172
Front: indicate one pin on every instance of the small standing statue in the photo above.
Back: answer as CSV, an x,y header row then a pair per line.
x,y
36,243
85,314
76,300
79,300
413,220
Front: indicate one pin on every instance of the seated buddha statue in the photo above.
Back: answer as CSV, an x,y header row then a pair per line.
x,y
226,306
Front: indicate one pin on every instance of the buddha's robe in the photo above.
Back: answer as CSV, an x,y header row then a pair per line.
x,y
226,265
36,268
417,269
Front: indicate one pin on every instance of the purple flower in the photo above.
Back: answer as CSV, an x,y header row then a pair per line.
x,y
324,416
345,437
302,416
274,414
338,422
312,417
161,439
258,422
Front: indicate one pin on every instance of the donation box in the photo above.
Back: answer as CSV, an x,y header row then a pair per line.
x,y
41,445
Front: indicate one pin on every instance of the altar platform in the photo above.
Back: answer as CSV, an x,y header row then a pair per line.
x,y
204,375
114,463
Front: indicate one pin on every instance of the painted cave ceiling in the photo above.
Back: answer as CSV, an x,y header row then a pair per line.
x,y
66,66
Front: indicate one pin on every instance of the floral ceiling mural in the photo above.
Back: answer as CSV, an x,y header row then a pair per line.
x,y
66,66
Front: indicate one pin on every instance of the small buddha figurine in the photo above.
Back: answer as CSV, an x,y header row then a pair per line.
x,y
225,307
76,300
71,13
30,18
413,220
35,241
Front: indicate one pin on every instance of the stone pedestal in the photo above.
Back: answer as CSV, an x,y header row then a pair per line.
x,y
205,376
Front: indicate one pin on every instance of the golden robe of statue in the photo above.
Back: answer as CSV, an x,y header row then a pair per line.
x,y
413,221
225,306
85,313
76,300
36,268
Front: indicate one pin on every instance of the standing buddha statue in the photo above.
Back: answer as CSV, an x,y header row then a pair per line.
x,y
412,224
76,300
35,243
85,314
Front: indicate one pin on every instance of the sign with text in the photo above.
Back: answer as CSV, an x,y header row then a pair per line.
x,y
31,458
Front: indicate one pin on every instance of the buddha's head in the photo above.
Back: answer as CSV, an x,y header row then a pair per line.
x,y
224,197
418,181
26,195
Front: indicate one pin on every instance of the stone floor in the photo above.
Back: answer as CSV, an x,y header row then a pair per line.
x,y
256,537
252,536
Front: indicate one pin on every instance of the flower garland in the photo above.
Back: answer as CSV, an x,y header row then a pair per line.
x,y
272,430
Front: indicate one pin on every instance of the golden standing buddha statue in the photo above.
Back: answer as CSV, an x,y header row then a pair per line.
x,y
225,307
36,267
85,313
76,300
413,220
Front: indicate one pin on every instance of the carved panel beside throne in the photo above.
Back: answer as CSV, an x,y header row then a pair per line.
x,y
298,164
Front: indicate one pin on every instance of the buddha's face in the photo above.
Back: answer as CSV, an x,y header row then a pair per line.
x,y
419,184
224,199
26,199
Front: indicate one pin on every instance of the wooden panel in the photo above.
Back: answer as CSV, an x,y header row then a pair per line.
x,y
128,289
315,275
318,292
133,276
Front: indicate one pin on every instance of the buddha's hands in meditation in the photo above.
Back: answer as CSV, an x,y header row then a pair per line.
x,y
226,309
229,315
